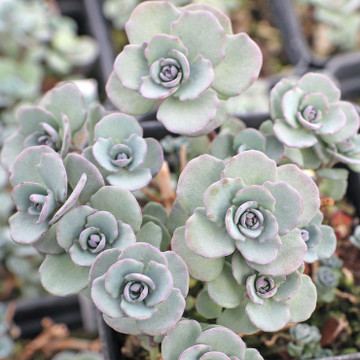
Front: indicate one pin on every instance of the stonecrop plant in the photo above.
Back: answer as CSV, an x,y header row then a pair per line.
x,y
226,241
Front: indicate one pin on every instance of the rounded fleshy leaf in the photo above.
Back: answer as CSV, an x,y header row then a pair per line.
x,y
124,325
240,269
246,166
53,173
218,198
130,180
154,157
261,253
148,20
306,188
179,272
197,176
276,94
289,258
131,65
118,127
119,202
192,119
25,229
25,170
153,91
66,99
205,238
199,267
168,314
210,39
246,68
181,337
224,290
299,138
137,310
223,340
103,263
76,165
288,205
71,224
270,316
333,122
127,101
303,304
237,320
206,307
313,82
143,253
155,209
289,288
290,104
259,194
103,300
61,277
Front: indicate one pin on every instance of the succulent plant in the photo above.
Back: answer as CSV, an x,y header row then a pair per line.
x,y
320,239
326,281
121,154
355,237
140,289
306,343
332,262
179,72
309,115
256,301
188,341
41,180
253,206
229,143
86,231
60,114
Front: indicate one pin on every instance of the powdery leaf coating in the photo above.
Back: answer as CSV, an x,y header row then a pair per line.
x,y
187,339
186,76
60,114
142,291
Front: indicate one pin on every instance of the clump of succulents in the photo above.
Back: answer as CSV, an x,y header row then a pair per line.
x,y
306,343
179,72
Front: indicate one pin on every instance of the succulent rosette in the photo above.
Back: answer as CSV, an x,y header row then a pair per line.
x,y
258,301
252,205
165,65
234,138
140,289
320,239
122,155
305,334
188,341
309,112
41,194
60,113
109,221
326,281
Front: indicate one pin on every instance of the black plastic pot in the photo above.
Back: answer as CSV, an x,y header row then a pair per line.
x,y
29,313
344,67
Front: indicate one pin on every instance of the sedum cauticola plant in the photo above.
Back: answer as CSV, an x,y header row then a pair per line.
x,y
167,67
317,129
242,221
